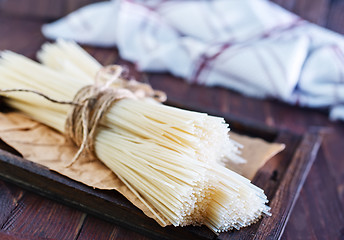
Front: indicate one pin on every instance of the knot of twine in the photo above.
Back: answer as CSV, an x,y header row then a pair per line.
x,y
95,100
91,103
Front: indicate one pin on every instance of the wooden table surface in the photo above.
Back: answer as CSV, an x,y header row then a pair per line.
x,y
319,211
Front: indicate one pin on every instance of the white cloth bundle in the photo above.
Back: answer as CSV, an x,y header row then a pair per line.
x,y
252,46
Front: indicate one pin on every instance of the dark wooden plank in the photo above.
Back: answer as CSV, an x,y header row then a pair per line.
x,y
105,56
282,187
33,8
95,228
333,154
269,178
273,173
335,19
299,120
20,35
301,225
10,196
36,216
290,188
314,11
16,236
322,216
41,9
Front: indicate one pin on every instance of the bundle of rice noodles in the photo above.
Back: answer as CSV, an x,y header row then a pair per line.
x,y
170,158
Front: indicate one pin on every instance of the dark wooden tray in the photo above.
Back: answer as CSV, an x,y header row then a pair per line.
x,y
281,178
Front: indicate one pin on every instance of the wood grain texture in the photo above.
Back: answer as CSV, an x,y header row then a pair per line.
x,y
95,228
20,35
17,236
336,16
318,205
332,152
314,11
31,215
41,9
32,8
10,196
287,187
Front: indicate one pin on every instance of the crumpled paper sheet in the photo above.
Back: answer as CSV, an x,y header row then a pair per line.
x,y
43,145
256,152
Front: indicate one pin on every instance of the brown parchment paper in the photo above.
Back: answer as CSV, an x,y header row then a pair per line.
x,y
256,152
43,145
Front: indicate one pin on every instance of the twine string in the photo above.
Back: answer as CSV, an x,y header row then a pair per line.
x,y
8,90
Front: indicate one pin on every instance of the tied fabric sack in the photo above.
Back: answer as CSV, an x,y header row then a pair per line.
x,y
251,46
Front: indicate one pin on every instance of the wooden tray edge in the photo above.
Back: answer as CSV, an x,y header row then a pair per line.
x,y
288,191
290,187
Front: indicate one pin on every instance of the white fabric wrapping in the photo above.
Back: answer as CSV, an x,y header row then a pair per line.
x,y
252,46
